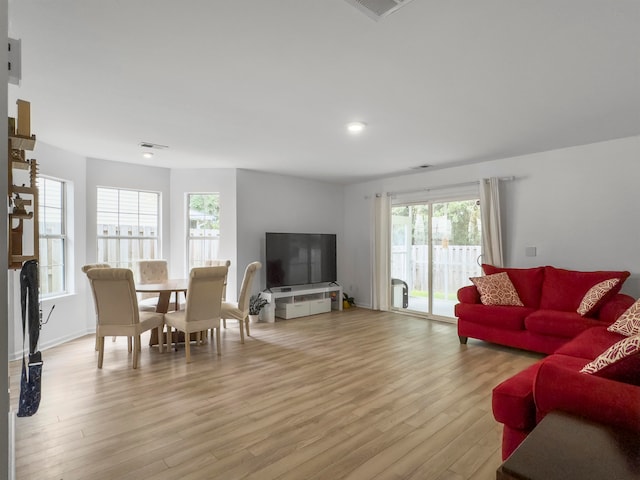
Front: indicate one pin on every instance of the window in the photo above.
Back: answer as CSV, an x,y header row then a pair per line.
x,y
435,247
128,225
203,230
52,232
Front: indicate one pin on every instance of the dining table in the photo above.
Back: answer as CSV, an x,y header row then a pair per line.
x,y
164,290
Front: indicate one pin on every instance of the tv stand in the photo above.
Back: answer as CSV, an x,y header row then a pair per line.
x,y
294,302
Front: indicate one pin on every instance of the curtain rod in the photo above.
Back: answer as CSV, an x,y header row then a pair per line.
x,y
442,187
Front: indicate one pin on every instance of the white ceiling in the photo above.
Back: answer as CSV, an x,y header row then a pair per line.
x,y
270,85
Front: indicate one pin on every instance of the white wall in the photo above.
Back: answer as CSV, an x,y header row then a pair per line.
x,y
212,180
578,206
70,318
277,203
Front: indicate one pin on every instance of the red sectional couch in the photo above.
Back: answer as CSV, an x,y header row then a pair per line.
x,y
556,383
548,317
548,322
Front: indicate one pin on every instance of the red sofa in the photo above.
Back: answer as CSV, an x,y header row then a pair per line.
x,y
556,383
548,322
548,316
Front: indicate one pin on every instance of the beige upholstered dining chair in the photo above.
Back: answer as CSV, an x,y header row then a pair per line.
x,y
151,271
89,266
240,310
220,263
202,309
116,305
85,269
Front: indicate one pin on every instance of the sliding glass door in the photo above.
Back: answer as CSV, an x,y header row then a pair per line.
x,y
435,247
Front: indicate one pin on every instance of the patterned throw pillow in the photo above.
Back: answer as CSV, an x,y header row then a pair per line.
x,y
621,361
595,294
629,322
496,289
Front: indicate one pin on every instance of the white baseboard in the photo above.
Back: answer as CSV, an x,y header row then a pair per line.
x,y
53,343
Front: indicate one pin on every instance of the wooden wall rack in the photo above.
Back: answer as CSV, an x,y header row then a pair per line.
x,y
23,190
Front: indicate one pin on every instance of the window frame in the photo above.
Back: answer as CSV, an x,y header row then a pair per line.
x,y
188,235
63,236
434,307
119,237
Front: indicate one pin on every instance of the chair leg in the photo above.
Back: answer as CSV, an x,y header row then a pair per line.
x,y
241,322
139,344
100,341
218,343
136,350
160,339
246,325
187,346
160,332
169,338
224,322
128,344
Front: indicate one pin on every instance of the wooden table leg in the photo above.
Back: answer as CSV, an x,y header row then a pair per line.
x,y
161,307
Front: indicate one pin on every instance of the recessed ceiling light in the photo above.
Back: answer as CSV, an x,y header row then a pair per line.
x,y
356,127
147,154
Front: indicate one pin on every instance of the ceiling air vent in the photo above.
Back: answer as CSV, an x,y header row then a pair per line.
x,y
378,9
152,145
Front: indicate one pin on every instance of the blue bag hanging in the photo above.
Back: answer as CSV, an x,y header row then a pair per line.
x,y
31,379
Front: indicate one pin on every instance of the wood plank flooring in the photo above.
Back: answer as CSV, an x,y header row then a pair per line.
x,y
347,395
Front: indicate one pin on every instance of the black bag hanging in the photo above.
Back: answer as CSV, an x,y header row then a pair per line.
x,y
30,382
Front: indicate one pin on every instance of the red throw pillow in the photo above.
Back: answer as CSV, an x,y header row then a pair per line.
x,y
620,362
496,289
527,282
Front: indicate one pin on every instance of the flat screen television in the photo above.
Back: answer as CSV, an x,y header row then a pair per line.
x,y
300,258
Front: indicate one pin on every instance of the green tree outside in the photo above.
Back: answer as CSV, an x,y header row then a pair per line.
x,y
462,216
205,211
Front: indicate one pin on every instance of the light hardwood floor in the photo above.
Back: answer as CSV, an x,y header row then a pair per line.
x,y
355,395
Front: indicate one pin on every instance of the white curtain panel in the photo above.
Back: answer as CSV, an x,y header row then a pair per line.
x,y
490,216
381,295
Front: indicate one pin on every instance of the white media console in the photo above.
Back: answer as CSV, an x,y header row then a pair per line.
x,y
301,301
